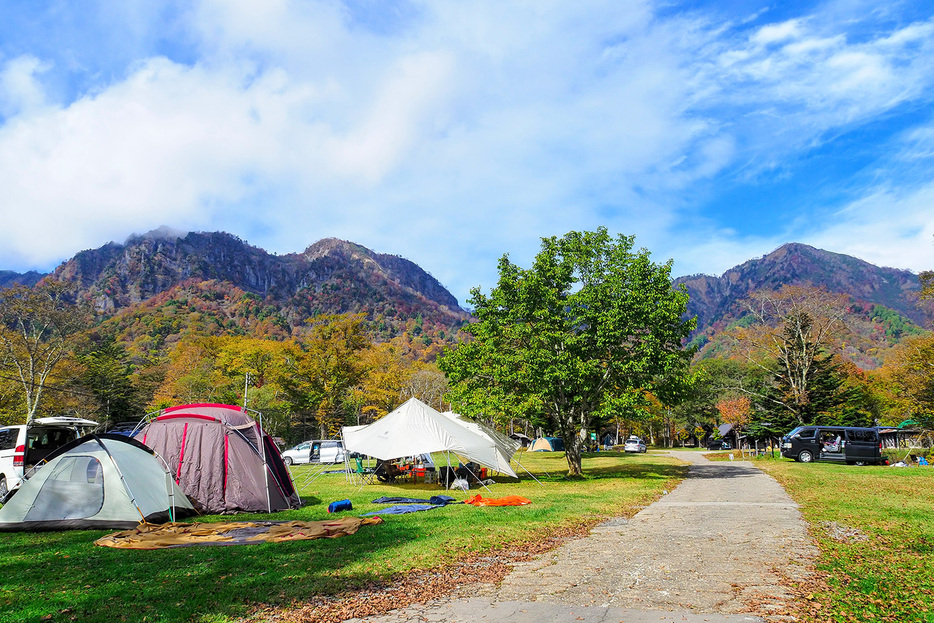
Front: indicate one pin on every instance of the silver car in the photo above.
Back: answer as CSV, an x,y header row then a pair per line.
x,y
634,444
315,451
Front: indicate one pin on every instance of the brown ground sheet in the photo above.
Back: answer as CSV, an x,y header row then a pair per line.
x,y
156,536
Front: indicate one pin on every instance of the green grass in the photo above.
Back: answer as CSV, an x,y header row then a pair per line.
x,y
64,577
890,575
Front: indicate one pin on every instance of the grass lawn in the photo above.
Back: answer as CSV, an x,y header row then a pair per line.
x,y
875,529
63,576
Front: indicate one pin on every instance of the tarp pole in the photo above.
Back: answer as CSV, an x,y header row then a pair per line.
x,y
350,474
531,474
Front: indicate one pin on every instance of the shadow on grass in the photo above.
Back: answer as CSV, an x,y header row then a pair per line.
x,y
638,470
64,577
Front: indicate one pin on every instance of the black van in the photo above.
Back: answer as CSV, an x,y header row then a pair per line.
x,y
855,446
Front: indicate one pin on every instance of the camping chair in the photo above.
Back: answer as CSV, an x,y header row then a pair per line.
x,y
366,474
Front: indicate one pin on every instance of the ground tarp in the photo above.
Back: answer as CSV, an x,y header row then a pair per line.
x,y
509,500
148,536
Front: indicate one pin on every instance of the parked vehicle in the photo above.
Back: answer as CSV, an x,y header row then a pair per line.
x,y
315,451
634,444
719,444
849,444
22,446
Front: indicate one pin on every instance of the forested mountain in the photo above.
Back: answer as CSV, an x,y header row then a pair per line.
x,y
331,276
336,331
118,275
884,301
161,281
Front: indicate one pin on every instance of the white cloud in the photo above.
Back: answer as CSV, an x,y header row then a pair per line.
x,y
776,33
20,90
451,134
887,227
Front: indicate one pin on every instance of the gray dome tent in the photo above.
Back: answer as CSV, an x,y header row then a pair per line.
x,y
97,481
221,458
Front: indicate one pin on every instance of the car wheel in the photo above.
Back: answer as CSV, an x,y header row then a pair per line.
x,y
3,488
860,463
287,460
805,456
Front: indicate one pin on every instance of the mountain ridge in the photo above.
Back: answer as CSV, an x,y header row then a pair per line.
x,y
713,298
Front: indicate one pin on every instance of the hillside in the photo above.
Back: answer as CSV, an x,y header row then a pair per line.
x,y
884,301
159,283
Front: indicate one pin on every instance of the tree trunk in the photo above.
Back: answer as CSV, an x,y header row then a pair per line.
x,y
572,452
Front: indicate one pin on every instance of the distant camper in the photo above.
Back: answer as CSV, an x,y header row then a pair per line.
x,y
853,445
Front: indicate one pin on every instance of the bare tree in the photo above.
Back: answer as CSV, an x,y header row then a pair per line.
x,y
36,327
795,328
428,385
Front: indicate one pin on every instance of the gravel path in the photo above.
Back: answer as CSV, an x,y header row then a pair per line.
x,y
714,549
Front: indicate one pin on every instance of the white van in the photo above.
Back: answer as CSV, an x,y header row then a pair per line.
x,y
22,447
315,451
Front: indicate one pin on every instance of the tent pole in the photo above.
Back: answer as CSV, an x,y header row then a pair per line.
x,y
126,485
262,444
169,481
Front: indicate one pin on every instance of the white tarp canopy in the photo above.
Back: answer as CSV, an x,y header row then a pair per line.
x,y
415,428
503,447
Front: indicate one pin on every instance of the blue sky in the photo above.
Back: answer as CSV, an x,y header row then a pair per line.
x,y
453,132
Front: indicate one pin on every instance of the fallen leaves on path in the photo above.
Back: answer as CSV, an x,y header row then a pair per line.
x,y
415,587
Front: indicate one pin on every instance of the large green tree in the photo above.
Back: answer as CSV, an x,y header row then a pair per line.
x,y
590,328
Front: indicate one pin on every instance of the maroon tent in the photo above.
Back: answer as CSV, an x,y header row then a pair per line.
x,y
221,458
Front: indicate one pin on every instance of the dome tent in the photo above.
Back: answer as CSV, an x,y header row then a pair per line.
x,y
221,458
547,444
97,481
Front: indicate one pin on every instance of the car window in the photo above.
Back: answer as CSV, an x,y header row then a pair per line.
x,y
861,435
48,438
8,438
807,433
